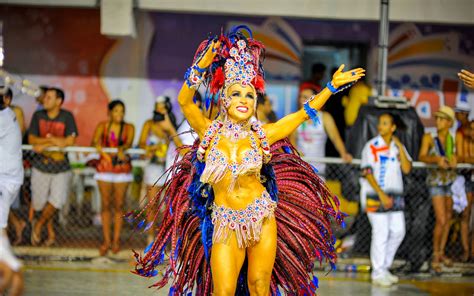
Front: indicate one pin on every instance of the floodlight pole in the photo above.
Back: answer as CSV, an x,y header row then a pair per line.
x,y
383,48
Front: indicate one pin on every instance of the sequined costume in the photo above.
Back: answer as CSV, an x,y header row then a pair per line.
x,y
292,193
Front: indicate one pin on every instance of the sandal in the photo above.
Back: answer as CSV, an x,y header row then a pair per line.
x,y
19,233
115,248
50,242
446,261
104,249
436,267
35,238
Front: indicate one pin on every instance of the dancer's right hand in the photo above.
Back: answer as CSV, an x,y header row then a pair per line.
x,y
208,57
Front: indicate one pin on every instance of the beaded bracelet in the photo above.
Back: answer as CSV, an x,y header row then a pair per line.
x,y
334,90
193,79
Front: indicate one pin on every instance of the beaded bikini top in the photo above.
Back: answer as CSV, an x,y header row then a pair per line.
x,y
217,162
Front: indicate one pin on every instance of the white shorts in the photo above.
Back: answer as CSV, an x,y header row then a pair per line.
x,y
153,175
114,178
8,194
52,188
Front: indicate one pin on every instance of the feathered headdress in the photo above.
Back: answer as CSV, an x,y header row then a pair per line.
x,y
238,60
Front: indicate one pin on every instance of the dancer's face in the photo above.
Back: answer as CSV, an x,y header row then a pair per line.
x,y
242,104
386,127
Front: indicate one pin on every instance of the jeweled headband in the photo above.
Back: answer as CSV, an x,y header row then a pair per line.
x,y
239,60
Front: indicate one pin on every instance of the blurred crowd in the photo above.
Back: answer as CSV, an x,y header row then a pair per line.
x,y
51,177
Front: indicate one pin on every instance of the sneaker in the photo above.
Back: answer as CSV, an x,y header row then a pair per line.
x,y
382,281
393,278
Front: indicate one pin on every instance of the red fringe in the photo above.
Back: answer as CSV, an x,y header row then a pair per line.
x,y
304,214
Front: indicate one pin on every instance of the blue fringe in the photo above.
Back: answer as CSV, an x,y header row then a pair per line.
x,y
147,249
202,197
270,181
312,113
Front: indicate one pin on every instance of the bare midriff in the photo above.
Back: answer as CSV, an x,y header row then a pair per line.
x,y
247,187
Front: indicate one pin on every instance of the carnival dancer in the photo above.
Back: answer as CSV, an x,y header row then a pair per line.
x,y
241,204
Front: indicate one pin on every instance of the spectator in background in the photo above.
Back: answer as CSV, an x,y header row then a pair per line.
x,y
18,223
264,109
155,138
334,107
186,135
438,148
318,70
465,154
114,171
40,98
51,174
384,161
11,178
311,139
358,96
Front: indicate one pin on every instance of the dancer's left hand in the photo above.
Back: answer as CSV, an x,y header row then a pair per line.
x,y
341,78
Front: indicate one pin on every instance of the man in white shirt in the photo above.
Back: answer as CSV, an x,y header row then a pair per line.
x,y
11,178
384,159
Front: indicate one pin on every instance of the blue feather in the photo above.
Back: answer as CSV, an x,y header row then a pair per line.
x,y
147,249
270,181
235,30
315,281
148,226
178,245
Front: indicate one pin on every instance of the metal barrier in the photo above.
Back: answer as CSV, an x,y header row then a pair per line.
x,y
78,223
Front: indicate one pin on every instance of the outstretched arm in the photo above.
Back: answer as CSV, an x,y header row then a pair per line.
x,y
288,124
185,98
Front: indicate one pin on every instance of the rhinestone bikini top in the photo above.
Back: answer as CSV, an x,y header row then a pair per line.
x,y
218,164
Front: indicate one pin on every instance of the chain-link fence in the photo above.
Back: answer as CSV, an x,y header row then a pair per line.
x,y
354,240
78,223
